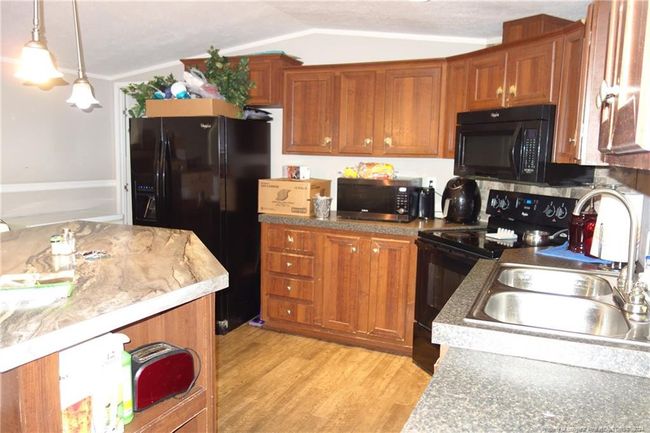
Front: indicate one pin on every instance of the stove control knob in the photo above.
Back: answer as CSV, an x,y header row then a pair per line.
x,y
504,203
494,202
549,211
561,212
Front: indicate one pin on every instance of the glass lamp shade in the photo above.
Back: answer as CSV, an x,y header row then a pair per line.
x,y
82,95
36,64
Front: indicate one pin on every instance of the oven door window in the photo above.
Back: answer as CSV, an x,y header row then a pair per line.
x,y
440,271
489,150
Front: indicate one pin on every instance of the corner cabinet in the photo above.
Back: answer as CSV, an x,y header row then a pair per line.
x,y
360,290
624,95
379,109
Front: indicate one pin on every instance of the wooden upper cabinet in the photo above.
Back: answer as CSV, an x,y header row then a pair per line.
x,y
265,70
625,92
309,112
455,101
356,114
389,282
486,81
341,282
530,27
412,100
567,128
532,73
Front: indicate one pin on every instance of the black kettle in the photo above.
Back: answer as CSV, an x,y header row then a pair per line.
x,y
461,200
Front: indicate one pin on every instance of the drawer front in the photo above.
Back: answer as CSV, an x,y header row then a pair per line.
x,y
290,288
290,264
279,309
290,240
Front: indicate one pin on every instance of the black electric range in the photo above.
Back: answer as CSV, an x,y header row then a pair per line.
x,y
446,257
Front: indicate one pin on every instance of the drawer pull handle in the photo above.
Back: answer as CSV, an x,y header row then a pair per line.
x,y
288,288
289,312
290,239
289,264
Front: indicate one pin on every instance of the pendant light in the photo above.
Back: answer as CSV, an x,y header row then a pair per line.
x,y
82,91
36,65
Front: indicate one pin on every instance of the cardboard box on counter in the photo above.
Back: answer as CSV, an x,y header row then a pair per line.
x,y
290,197
190,108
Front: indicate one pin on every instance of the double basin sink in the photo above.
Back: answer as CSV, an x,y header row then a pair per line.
x,y
555,301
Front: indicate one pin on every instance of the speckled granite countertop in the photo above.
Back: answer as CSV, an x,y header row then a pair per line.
x,y
482,392
148,270
449,328
390,228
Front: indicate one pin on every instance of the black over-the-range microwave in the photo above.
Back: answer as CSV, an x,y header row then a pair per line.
x,y
514,144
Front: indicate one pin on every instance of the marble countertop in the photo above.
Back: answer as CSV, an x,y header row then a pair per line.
x,y
390,228
483,392
148,270
450,329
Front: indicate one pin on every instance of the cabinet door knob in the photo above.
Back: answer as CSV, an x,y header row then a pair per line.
x,y
375,250
388,142
289,264
607,94
290,239
499,91
367,142
327,141
288,288
512,90
353,249
289,312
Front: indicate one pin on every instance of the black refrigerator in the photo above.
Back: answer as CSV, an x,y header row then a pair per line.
x,y
200,174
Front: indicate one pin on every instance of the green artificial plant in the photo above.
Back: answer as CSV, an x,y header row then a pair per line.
x,y
143,91
233,81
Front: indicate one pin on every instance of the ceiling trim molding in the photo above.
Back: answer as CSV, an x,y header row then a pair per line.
x,y
14,61
317,31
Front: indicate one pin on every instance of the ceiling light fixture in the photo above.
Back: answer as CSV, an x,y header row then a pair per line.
x,y
82,92
36,65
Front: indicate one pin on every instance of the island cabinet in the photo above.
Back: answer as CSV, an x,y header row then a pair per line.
x,y
390,108
29,394
360,289
265,70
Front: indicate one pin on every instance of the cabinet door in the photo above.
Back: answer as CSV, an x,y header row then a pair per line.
x,y
455,102
485,76
567,128
625,90
356,112
531,73
412,111
388,288
341,282
308,112
260,73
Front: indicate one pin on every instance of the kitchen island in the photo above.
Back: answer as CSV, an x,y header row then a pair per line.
x,y
520,381
151,284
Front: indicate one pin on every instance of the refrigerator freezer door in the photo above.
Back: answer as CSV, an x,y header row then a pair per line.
x,y
145,145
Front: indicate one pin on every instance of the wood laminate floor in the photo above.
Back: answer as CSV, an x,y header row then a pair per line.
x,y
274,382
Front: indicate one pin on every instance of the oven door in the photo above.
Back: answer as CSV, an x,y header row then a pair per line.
x,y
488,149
440,270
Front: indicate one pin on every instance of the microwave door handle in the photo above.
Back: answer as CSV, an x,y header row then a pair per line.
x,y
515,151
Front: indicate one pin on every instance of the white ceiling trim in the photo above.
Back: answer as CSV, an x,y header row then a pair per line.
x,y
13,61
317,31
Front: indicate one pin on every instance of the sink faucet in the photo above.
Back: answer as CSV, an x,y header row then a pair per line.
x,y
634,303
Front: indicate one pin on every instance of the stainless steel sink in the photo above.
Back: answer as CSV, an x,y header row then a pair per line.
x,y
555,282
561,313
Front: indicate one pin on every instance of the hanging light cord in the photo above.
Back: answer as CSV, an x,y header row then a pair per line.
x,y
76,30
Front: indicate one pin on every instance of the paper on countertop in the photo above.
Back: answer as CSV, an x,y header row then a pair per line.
x,y
502,235
610,240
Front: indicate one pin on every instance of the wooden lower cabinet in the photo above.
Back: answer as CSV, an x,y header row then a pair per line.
x,y
361,291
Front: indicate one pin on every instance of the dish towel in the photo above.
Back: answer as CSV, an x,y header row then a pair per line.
x,y
562,252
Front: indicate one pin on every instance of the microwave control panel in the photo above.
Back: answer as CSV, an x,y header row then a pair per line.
x,y
531,208
530,151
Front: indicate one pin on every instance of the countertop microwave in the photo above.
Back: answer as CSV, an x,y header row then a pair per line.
x,y
375,199
514,144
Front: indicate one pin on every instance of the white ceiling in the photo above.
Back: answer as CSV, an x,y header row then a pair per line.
x,y
122,36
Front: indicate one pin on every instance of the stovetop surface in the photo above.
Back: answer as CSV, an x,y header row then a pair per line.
x,y
473,241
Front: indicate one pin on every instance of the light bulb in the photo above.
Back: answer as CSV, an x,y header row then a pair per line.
x,y
36,64
82,95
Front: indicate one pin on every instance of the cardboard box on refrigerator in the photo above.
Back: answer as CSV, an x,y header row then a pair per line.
x,y
290,197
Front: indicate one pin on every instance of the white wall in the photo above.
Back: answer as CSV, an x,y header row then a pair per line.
x,y
53,157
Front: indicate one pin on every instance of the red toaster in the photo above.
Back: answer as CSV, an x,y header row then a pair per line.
x,y
160,370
